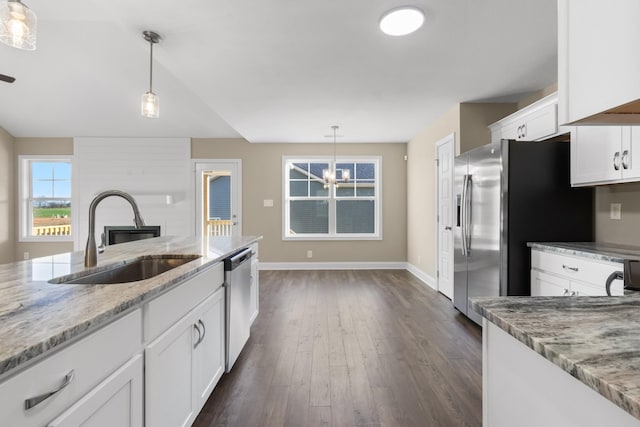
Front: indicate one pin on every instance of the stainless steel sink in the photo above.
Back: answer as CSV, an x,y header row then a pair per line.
x,y
134,270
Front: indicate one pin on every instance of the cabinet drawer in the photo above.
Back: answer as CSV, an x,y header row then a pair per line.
x,y
589,289
574,268
543,284
92,359
168,308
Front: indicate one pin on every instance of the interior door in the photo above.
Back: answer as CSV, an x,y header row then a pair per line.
x,y
445,152
218,187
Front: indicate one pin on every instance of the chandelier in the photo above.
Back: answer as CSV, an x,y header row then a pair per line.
x,y
333,175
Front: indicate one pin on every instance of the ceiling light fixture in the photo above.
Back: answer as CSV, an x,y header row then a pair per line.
x,y
17,25
333,175
401,21
150,101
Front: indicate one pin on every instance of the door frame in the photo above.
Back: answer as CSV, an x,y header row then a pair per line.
x,y
449,139
197,189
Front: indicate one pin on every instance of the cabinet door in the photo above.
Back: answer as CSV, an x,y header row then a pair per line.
x,y
117,401
631,153
547,285
596,70
208,352
169,375
595,154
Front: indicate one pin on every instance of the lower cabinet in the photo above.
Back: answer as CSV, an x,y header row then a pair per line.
x,y
562,275
184,364
117,401
96,381
255,285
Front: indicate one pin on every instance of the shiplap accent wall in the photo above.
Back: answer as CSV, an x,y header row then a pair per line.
x,y
152,170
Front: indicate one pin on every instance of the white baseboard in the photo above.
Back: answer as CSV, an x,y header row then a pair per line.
x,y
425,278
332,266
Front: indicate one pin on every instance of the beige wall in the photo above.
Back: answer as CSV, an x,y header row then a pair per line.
x,y
7,197
469,123
38,146
625,231
262,179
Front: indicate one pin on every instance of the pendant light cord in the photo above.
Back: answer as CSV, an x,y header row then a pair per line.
x,y
151,68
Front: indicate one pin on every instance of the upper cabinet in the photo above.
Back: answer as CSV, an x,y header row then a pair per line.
x,y
534,122
598,64
605,154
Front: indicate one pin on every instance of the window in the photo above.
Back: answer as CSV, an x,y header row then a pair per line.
x,y
349,210
45,198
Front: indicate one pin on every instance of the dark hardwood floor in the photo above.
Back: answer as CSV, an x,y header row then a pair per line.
x,y
352,348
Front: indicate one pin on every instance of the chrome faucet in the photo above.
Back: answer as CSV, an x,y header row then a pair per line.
x,y
90,253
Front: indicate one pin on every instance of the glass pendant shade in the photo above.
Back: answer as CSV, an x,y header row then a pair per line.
x,y
17,25
151,105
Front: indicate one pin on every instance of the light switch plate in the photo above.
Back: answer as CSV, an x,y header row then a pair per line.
x,y
616,211
267,203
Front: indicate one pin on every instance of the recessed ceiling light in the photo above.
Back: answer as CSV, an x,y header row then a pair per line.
x,y
401,21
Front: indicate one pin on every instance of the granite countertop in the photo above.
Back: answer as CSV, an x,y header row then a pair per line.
x,y
600,251
595,339
37,316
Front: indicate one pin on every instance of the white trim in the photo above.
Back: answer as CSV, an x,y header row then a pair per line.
x,y
332,266
425,278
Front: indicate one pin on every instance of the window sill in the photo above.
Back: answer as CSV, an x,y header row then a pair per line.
x,y
46,239
353,237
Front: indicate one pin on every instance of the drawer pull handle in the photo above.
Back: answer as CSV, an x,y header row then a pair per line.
x,y
197,343
566,267
204,330
34,401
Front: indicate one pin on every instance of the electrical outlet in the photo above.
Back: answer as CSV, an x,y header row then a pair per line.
x,y
309,254
267,203
616,211
25,255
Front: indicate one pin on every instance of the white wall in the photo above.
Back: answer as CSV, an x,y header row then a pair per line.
x,y
150,169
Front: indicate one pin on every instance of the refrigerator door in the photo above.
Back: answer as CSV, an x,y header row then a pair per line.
x,y
459,258
483,258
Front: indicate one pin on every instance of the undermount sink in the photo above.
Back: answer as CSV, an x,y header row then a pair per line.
x,y
133,270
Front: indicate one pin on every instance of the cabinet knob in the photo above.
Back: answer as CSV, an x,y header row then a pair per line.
x,y
566,292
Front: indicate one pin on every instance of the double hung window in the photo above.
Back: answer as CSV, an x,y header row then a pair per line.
x,y
316,210
45,198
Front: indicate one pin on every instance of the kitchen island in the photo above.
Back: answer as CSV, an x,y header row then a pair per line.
x,y
45,326
561,361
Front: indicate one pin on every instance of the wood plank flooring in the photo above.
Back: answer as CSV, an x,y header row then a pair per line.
x,y
352,348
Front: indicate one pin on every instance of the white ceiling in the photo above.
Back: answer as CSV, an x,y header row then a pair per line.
x,y
270,70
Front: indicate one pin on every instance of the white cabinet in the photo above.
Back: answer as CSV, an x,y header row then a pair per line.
x,y
83,379
184,364
117,401
605,154
562,275
597,67
255,285
534,122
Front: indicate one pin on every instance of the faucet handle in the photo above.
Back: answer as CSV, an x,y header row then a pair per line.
x,y
103,243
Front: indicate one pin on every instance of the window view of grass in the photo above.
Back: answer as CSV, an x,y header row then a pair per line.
x,y
51,217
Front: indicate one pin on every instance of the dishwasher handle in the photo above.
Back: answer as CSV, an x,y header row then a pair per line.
x,y
235,260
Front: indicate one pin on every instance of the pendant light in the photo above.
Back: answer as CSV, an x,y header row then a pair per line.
x,y
17,25
150,101
333,175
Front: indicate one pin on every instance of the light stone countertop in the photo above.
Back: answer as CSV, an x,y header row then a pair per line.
x,y
594,250
595,339
37,317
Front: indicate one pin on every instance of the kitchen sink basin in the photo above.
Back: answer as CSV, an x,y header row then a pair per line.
x,y
134,270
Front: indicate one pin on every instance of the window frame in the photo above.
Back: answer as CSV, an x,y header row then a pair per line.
x,y
25,213
332,199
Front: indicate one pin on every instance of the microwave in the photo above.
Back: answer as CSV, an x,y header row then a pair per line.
x,y
115,234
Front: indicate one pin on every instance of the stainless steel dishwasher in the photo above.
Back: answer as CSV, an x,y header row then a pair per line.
x,y
237,283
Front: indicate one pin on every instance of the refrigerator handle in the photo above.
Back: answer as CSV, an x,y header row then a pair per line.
x,y
463,222
467,216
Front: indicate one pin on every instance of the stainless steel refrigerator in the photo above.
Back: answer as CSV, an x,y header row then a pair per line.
x,y
507,194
